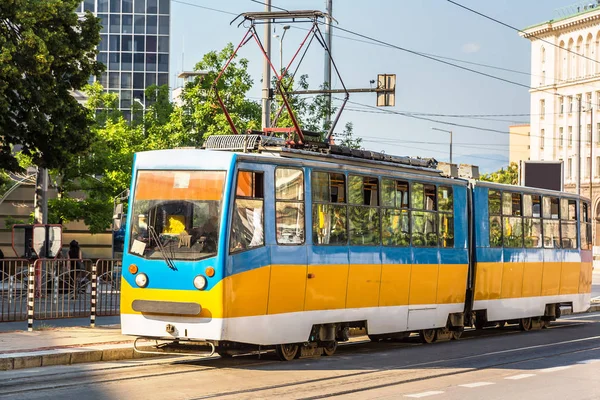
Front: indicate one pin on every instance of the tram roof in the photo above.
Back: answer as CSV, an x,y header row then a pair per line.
x,y
529,189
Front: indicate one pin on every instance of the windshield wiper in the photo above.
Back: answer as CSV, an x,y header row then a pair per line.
x,y
162,249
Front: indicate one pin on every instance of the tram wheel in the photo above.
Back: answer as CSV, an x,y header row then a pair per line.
x,y
456,334
330,349
525,324
225,354
501,324
286,352
428,335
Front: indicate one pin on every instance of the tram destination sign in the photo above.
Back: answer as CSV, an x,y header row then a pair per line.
x,y
542,174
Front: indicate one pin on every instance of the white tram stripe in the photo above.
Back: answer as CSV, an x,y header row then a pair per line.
x,y
554,369
476,384
521,376
424,394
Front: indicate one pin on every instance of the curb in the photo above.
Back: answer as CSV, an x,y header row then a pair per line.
x,y
69,356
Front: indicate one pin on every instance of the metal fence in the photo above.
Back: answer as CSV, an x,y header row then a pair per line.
x,y
62,288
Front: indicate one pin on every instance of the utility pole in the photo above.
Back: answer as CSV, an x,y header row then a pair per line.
x,y
266,102
578,148
40,213
329,11
450,132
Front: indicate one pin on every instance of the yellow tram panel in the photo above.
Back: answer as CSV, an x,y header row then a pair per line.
x,y
363,285
551,278
449,291
326,287
532,279
569,277
488,280
512,280
395,285
423,284
287,288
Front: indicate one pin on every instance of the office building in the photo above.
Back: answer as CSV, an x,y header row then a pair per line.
x,y
134,46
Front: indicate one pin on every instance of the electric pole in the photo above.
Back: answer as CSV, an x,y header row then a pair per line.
x,y
266,101
328,55
578,149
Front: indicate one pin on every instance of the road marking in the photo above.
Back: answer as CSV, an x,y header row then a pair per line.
x,y
581,316
424,394
554,369
521,376
592,361
476,384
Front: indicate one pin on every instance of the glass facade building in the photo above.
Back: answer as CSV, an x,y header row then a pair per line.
x,y
134,46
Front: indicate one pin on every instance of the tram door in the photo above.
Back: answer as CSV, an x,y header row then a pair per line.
x,y
287,285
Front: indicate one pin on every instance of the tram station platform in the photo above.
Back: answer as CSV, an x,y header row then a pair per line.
x,y
73,345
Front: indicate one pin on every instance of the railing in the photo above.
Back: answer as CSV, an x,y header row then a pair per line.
x,y
61,288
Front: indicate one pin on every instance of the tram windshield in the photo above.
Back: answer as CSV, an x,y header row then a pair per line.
x,y
176,214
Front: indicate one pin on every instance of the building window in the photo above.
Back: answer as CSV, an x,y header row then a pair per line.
x,y
542,108
588,138
561,105
597,167
542,138
570,104
598,133
561,135
588,167
569,168
570,136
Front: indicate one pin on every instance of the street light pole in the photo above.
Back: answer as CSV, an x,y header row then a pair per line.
x,y
450,132
285,29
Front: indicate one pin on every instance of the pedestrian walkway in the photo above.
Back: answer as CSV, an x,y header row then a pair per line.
x,y
63,346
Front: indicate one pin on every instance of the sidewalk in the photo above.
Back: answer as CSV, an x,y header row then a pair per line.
x,y
63,346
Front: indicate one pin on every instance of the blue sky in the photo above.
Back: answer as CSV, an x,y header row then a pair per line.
x,y
423,86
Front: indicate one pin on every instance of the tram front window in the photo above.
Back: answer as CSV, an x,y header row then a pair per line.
x,y
176,214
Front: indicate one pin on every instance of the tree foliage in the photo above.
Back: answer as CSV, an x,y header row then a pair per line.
x,y
508,175
46,51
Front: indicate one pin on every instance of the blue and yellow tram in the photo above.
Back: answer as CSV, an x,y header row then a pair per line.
x,y
290,249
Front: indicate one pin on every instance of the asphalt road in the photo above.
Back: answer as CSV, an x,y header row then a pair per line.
x,y
560,362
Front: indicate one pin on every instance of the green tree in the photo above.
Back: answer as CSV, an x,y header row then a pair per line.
x,y
508,175
348,139
202,115
46,51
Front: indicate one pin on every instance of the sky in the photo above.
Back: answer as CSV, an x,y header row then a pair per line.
x,y
423,85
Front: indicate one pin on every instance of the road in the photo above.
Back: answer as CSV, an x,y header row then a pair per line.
x,y
560,362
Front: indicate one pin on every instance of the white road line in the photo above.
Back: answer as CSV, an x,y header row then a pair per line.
x,y
581,316
521,376
592,361
476,384
424,394
554,369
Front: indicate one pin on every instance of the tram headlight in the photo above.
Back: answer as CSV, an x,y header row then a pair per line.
x,y
200,282
141,280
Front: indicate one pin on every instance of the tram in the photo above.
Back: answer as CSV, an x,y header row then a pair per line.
x,y
289,249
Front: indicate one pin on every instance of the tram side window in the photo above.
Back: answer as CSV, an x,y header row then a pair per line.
x,y
289,205
551,224
424,223
445,203
395,216
363,213
247,228
495,212
585,227
512,220
532,223
329,209
568,223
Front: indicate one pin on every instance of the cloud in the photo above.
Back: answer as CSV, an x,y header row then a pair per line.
x,y
471,47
